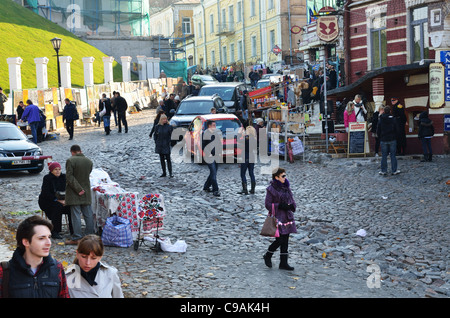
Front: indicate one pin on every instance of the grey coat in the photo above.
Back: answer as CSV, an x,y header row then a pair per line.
x,y
78,169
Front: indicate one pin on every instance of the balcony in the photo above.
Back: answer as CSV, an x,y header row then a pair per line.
x,y
225,29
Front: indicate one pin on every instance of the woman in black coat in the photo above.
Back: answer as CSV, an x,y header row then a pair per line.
x,y
163,136
53,205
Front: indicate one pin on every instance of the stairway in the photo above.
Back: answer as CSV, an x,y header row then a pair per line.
x,y
317,143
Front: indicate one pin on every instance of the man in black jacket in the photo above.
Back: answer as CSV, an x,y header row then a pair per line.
x,y
387,130
398,111
105,107
121,106
209,156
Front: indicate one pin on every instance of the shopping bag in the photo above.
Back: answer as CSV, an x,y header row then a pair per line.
x,y
117,232
270,226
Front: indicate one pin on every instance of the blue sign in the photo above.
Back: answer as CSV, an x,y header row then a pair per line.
x,y
445,58
446,122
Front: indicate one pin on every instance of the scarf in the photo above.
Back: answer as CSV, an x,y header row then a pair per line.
x,y
90,276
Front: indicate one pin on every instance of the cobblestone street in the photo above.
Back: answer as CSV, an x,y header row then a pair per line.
x,y
406,219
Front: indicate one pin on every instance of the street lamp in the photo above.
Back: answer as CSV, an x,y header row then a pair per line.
x,y
56,42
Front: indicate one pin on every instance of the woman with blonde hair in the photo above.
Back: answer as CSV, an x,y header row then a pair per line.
x,y
249,148
88,277
162,137
349,115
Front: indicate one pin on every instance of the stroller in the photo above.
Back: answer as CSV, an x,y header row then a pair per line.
x,y
150,213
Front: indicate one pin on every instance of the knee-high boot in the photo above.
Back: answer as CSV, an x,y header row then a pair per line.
x,y
268,258
252,189
284,263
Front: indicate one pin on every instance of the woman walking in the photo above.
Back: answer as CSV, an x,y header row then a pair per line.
x,y
280,200
249,145
163,136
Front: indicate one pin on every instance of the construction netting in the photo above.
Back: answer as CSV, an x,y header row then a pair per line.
x,y
97,17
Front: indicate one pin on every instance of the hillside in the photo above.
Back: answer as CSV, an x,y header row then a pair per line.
x,y
26,34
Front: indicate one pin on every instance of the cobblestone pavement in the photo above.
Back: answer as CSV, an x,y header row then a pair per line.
x,y
406,219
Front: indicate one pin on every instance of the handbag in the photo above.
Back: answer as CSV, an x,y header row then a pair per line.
x,y
270,226
117,232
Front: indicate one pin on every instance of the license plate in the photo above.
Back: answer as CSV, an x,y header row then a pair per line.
x,y
21,162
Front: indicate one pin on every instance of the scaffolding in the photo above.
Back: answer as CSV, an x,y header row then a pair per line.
x,y
96,17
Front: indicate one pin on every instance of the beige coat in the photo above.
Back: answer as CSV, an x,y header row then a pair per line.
x,y
107,279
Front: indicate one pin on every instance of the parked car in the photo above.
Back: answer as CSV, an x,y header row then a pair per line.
x,y
230,92
262,83
14,145
224,122
192,106
202,80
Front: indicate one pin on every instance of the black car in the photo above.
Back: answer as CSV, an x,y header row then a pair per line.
x,y
14,145
192,106
230,92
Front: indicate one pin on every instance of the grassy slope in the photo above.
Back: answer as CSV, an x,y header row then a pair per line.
x,y
26,34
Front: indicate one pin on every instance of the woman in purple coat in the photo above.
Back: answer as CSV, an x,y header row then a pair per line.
x,y
279,195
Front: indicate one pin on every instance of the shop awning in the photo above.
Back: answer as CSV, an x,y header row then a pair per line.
x,y
390,74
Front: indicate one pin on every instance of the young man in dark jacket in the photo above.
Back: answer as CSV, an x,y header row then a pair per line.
x,y
387,130
32,272
70,114
121,106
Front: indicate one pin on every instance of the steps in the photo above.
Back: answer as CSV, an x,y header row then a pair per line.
x,y
317,143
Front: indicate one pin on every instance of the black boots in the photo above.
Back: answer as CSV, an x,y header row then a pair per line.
x,y
283,262
427,157
252,189
268,258
244,189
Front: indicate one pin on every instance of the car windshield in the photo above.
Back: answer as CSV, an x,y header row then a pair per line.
x,y
207,78
226,93
262,84
11,133
193,107
228,124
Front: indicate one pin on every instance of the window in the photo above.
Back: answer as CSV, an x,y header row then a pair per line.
x,y
199,30
253,45
239,12
231,17
213,57
231,52
272,39
224,55
211,23
252,8
419,34
240,50
224,19
271,5
186,26
378,41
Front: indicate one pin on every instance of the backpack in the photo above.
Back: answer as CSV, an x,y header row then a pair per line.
x,y
5,282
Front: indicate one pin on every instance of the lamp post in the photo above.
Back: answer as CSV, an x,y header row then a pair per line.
x,y
56,42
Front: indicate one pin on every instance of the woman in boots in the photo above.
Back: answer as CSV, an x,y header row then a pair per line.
x,y
426,132
279,197
163,136
248,146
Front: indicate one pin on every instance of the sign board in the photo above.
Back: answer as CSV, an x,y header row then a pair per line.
x,y
437,85
276,50
327,28
446,122
357,135
445,58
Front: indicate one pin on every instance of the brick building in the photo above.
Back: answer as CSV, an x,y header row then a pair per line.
x,y
389,46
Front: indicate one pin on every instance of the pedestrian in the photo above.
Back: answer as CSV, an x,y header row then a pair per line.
x,y
32,272
279,197
52,198
191,87
113,107
78,193
248,148
243,104
88,277
398,111
105,108
184,91
159,112
360,110
20,109
426,132
210,158
31,114
70,114
162,137
196,90
387,130
349,115
213,110
121,106
169,104
376,115
3,100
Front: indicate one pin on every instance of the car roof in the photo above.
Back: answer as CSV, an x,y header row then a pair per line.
x,y
207,97
5,123
217,116
225,84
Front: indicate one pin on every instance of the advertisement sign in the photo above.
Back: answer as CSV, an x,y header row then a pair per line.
x,y
327,28
437,85
445,58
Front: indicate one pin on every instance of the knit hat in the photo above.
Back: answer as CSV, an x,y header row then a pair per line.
x,y
53,165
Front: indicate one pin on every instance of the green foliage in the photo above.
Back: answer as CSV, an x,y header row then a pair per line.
x,y
26,34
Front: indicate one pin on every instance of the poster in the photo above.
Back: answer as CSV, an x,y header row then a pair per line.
x,y
437,85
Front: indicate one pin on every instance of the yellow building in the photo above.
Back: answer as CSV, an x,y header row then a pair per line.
x,y
245,32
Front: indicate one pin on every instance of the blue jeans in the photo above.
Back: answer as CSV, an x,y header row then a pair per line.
x,y
426,146
33,126
106,121
388,147
212,178
251,168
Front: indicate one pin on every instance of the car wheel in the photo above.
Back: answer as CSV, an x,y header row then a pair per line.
x,y
36,171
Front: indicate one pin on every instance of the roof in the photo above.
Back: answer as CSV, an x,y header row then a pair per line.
x,y
205,97
218,116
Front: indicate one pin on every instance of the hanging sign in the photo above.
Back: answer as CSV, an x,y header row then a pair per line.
x,y
327,28
276,50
